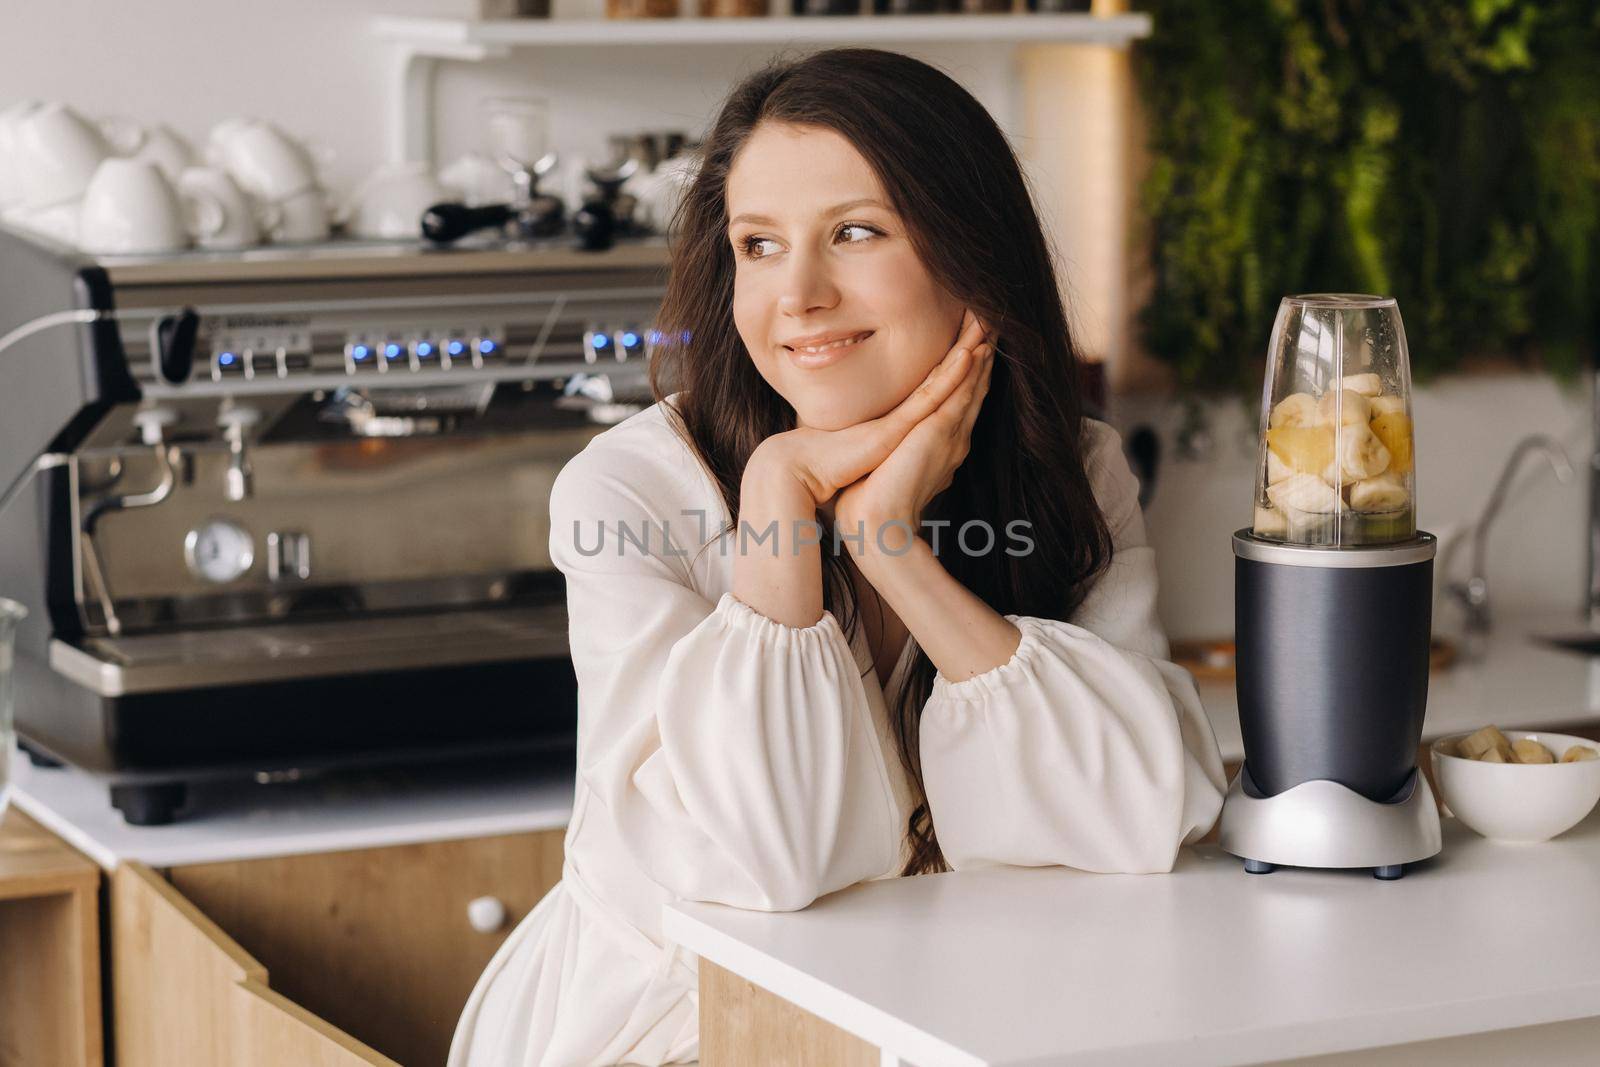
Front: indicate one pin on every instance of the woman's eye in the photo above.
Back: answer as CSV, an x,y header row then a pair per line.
x,y
748,246
868,230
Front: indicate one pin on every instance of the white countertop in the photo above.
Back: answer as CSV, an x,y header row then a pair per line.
x,y
1032,966
238,819
1516,683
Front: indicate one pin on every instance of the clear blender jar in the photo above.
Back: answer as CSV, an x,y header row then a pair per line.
x,y
1336,466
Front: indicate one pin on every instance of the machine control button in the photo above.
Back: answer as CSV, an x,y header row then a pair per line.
x,y
288,556
228,361
597,345
629,343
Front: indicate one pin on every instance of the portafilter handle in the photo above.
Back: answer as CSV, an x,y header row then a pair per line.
x,y
452,221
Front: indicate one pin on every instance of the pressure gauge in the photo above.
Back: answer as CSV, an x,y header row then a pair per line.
x,y
219,551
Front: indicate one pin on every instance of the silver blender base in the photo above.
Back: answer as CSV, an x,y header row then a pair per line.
x,y
1324,824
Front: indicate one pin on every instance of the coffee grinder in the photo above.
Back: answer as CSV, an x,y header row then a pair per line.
x,y
1333,595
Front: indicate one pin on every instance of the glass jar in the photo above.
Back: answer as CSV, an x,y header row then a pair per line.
x,y
11,613
1336,459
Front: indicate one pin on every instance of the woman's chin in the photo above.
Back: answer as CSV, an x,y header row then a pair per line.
x,y
828,413
832,416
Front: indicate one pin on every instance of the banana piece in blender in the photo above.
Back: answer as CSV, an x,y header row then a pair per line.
x,y
1307,493
1394,430
1345,406
1296,409
1579,753
1494,755
1365,384
1475,745
1303,449
1360,454
1387,404
1277,469
1386,492
1270,522
1527,750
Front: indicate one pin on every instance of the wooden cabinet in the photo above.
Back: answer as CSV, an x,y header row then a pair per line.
x,y
185,992
321,960
377,942
49,950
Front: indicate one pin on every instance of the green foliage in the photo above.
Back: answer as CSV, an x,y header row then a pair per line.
x,y
1445,152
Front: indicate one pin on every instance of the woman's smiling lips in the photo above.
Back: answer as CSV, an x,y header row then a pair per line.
x,y
821,349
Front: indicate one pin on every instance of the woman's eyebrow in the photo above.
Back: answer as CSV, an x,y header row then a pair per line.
x,y
837,209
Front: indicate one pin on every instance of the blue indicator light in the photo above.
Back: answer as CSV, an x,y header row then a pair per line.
x,y
360,352
424,349
391,350
456,348
630,339
686,336
654,336
601,340
227,359
486,346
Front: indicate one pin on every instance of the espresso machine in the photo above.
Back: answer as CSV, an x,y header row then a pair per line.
x,y
1333,593
285,510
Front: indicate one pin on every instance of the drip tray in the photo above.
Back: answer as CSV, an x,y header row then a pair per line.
x,y
195,659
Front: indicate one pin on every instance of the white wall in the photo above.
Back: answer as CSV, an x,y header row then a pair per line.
x,y
1465,429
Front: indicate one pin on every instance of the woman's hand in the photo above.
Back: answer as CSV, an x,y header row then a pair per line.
x,y
920,467
825,461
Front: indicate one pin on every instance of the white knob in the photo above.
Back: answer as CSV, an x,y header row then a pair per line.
x,y
486,914
152,424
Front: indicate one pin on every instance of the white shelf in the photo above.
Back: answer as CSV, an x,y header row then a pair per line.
x,y
420,44
457,38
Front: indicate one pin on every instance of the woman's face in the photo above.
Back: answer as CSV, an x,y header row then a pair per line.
x,y
839,314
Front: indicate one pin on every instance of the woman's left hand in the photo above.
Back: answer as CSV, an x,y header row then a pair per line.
x,y
920,467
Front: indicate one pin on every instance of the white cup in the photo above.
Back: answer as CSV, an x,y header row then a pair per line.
x,y
10,190
130,207
266,162
58,222
218,213
56,153
299,219
167,149
390,203
477,180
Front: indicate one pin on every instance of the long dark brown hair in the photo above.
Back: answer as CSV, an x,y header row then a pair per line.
x,y
954,181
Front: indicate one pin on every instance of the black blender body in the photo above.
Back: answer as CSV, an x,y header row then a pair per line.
x,y
1332,662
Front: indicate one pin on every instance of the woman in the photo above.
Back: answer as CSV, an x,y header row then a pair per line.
x,y
866,340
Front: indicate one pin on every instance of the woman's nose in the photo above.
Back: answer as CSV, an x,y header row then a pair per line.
x,y
806,287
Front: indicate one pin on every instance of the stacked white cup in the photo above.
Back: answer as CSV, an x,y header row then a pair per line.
x,y
277,173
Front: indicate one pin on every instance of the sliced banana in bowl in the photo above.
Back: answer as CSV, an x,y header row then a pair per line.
x,y
1517,785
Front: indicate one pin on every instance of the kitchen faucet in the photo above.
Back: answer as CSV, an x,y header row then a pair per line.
x,y
1474,592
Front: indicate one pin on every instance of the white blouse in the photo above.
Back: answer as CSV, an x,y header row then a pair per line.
x,y
723,756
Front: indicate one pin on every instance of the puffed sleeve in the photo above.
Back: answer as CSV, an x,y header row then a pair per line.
x,y
1088,748
734,754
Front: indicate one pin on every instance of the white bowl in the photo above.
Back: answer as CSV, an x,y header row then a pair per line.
x,y
1519,801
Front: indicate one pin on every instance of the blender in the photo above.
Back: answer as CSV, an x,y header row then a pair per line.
x,y
1333,603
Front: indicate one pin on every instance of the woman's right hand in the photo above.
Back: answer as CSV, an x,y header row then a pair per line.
x,y
825,461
